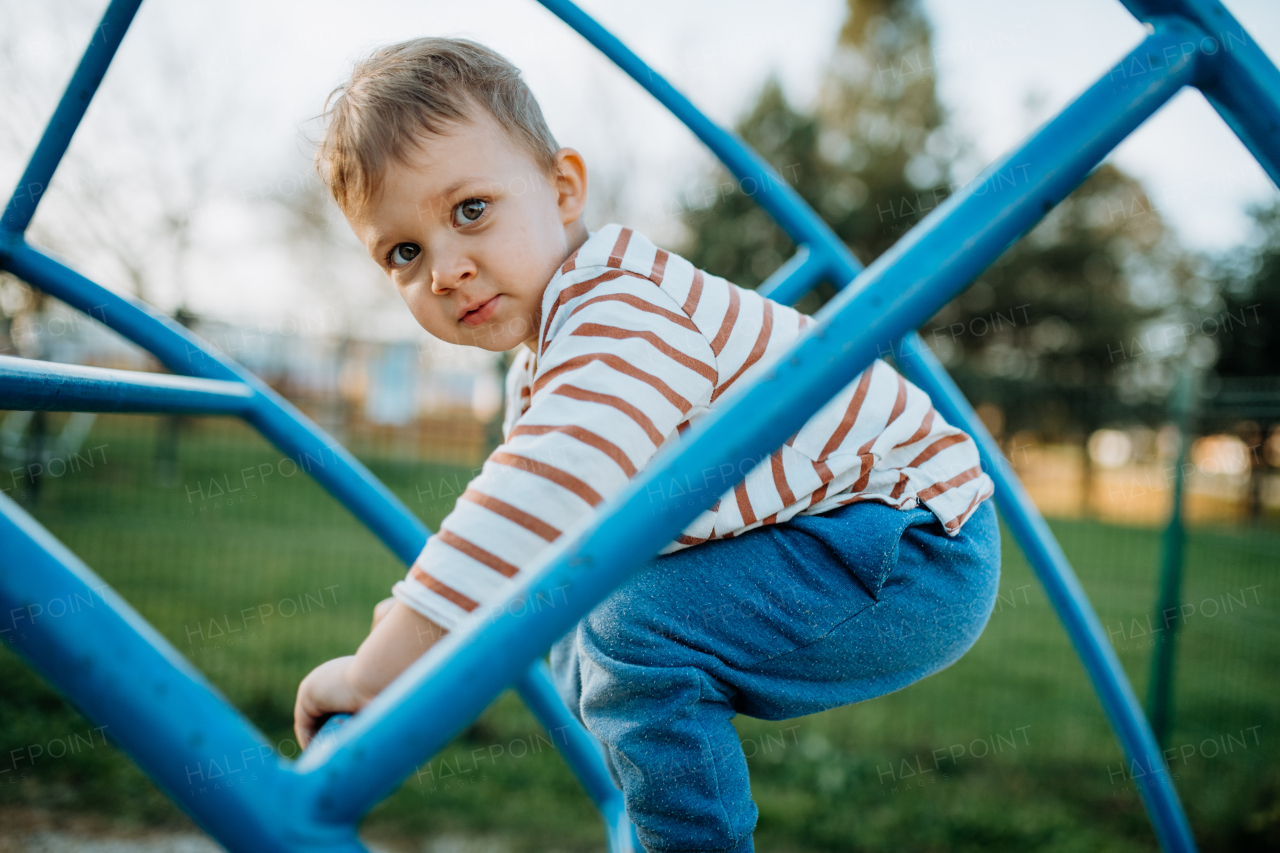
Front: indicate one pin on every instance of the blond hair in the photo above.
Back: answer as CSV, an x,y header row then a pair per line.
x,y
421,87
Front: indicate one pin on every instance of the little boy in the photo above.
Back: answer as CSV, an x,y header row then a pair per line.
x,y
858,558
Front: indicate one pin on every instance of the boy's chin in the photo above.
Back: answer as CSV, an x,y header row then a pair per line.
x,y
489,340
497,346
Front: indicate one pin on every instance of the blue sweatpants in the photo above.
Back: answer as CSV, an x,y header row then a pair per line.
x,y
782,621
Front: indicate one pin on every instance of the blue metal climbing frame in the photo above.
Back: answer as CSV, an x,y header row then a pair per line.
x,y
121,673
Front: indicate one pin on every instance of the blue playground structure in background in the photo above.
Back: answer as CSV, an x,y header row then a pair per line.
x,y
118,670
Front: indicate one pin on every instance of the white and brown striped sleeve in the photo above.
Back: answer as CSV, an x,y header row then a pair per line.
x,y
518,389
940,462
623,369
884,434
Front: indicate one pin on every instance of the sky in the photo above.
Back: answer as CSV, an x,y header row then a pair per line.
x,y
244,80
1200,176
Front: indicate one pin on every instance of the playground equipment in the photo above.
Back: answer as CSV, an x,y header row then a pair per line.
x,y
121,673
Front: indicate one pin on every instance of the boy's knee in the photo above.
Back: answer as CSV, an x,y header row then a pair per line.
x,y
629,628
621,634
565,673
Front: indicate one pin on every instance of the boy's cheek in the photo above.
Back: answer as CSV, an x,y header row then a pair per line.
x,y
432,321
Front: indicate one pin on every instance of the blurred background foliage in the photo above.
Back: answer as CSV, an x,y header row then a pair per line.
x,y
1069,346
1078,325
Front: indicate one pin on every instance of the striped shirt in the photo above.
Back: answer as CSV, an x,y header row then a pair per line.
x,y
635,344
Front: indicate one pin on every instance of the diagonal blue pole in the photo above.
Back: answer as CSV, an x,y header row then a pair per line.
x,y
66,117
146,697
895,295
756,177
1238,79
1164,57
1068,598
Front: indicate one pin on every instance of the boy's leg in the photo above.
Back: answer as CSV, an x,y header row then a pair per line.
x,y
765,624
932,608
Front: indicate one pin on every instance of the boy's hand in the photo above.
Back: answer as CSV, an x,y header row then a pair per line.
x,y
345,685
326,691
382,608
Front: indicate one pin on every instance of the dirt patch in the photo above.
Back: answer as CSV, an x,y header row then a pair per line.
x,y
41,831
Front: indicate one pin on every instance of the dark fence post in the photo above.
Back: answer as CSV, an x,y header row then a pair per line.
x,y
1160,693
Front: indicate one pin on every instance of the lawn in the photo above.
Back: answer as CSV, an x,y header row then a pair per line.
x,y
255,574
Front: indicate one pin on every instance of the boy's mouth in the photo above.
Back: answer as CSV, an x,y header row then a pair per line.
x,y
478,314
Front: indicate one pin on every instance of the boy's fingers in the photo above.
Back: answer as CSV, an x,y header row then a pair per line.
x,y
306,729
304,716
301,726
382,608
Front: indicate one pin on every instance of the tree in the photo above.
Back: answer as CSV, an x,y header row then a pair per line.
x,y
1044,340
1249,342
1242,325
1064,332
872,158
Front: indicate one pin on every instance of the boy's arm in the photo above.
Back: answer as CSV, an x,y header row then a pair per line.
x,y
345,685
624,371
624,368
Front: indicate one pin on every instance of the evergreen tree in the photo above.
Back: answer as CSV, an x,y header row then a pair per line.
x,y
1248,344
872,159
1064,333
1242,326
1044,337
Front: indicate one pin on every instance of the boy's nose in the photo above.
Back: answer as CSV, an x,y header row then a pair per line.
x,y
449,273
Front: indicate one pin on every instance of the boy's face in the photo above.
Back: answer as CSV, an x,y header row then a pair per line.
x,y
473,229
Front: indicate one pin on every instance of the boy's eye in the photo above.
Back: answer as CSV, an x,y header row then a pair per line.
x,y
403,253
469,211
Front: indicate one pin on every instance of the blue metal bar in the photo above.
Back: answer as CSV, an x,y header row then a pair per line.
x,y
182,352
342,474
756,177
584,755
1237,78
796,277
1162,803
28,385
582,752
895,295
580,747
146,697
785,206
1067,597
66,117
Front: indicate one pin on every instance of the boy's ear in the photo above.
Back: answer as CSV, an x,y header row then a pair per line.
x,y
570,181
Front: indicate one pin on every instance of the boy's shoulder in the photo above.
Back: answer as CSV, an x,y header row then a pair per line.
x,y
679,299
616,258
617,247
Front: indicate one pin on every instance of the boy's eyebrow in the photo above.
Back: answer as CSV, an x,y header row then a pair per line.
x,y
462,182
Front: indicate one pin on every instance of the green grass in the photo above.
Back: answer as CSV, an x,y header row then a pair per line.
x,y
196,564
